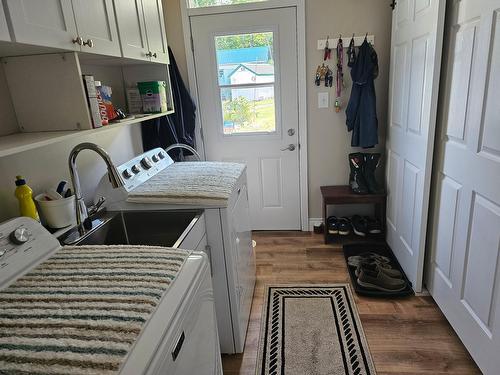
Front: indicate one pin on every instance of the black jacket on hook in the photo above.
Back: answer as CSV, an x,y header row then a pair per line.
x,y
177,127
361,112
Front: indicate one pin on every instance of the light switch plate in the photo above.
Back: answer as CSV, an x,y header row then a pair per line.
x,y
323,100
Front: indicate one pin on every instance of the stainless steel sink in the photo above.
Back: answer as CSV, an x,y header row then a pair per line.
x,y
152,228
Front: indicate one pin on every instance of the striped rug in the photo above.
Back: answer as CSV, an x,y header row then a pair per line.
x,y
80,311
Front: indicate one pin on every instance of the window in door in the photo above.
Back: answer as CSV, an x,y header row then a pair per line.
x,y
246,82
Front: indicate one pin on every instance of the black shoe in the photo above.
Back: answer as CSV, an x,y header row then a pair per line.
x,y
356,178
374,225
371,163
359,225
332,225
344,226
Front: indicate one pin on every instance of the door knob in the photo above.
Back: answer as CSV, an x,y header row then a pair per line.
x,y
89,43
78,40
291,132
291,147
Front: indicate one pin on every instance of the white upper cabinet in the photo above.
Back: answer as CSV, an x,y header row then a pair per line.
x,y
96,24
48,23
155,30
132,30
4,30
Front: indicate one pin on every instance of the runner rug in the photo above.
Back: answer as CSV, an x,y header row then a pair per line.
x,y
312,329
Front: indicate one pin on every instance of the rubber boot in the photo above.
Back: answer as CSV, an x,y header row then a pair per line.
x,y
356,178
372,161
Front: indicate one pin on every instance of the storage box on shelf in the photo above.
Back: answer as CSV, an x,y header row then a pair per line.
x,y
340,195
49,98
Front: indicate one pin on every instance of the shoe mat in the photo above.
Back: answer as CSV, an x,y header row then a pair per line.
x,y
378,248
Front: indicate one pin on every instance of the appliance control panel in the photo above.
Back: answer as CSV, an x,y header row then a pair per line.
x,y
23,242
141,168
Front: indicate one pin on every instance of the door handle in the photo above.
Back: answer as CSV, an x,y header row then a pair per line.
x,y
291,147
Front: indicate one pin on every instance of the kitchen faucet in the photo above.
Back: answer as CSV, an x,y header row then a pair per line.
x,y
82,212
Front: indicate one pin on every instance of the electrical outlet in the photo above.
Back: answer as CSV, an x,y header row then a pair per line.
x,y
323,100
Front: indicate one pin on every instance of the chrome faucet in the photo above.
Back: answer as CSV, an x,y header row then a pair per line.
x,y
114,177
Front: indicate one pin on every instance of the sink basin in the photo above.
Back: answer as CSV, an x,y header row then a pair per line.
x,y
152,228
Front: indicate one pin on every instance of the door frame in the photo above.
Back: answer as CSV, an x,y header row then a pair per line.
x,y
299,5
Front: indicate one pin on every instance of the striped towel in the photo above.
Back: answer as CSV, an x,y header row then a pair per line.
x,y
190,183
80,311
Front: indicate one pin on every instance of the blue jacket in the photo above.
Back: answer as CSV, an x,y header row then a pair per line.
x,y
361,111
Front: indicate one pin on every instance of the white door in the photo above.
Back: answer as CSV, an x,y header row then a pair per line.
x,y
4,31
246,70
464,275
155,30
96,24
131,28
417,32
44,23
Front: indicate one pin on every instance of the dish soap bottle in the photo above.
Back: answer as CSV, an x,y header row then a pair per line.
x,y
25,196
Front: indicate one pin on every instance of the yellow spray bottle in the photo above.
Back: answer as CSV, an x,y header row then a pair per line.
x,y
25,196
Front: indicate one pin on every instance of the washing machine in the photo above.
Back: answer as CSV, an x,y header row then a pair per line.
x,y
178,338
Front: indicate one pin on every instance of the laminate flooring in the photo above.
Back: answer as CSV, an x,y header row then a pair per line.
x,y
406,336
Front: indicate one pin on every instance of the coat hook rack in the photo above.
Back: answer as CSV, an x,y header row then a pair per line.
x,y
358,40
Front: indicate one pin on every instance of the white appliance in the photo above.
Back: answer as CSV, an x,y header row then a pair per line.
x,y
230,249
180,338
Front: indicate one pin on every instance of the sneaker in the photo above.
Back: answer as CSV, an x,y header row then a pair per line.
x,y
344,226
383,267
372,277
373,225
332,225
359,225
355,260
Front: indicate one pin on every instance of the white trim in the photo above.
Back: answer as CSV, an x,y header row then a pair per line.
x,y
301,79
314,221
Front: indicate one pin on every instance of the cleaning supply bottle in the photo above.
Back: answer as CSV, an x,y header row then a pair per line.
x,y
25,196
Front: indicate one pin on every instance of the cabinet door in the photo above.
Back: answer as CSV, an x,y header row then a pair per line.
x,y
131,29
96,22
47,23
4,31
155,30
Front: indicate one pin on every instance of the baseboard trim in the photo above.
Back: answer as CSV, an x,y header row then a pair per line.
x,y
314,221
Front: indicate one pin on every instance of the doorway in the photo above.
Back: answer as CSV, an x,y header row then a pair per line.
x,y
246,66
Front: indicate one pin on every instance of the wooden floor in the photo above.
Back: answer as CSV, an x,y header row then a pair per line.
x,y
405,336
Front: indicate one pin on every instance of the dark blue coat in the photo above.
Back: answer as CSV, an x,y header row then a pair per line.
x,y
361,111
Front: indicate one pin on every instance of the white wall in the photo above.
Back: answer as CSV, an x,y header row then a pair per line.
x,y
328,140
8,121
44,167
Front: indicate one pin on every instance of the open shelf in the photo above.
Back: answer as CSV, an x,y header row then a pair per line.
x,y
19,142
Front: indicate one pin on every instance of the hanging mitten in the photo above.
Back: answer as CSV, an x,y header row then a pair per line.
x,y
351,53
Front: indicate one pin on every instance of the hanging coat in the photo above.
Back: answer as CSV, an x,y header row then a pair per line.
x,y
361,111
177,127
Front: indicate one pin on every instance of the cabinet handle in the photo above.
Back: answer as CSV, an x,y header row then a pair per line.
x,y
89,43
155,55
149,54
78,40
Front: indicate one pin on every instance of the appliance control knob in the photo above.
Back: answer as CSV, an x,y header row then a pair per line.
x,y
136,168
155,158
127,174
146,163
20,236
161,155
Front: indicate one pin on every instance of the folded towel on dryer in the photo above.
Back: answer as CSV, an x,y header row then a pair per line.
x,y
190,183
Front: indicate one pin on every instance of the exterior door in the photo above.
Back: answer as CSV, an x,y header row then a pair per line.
x,y
95,20
464,272
246,69
417,30
47,23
